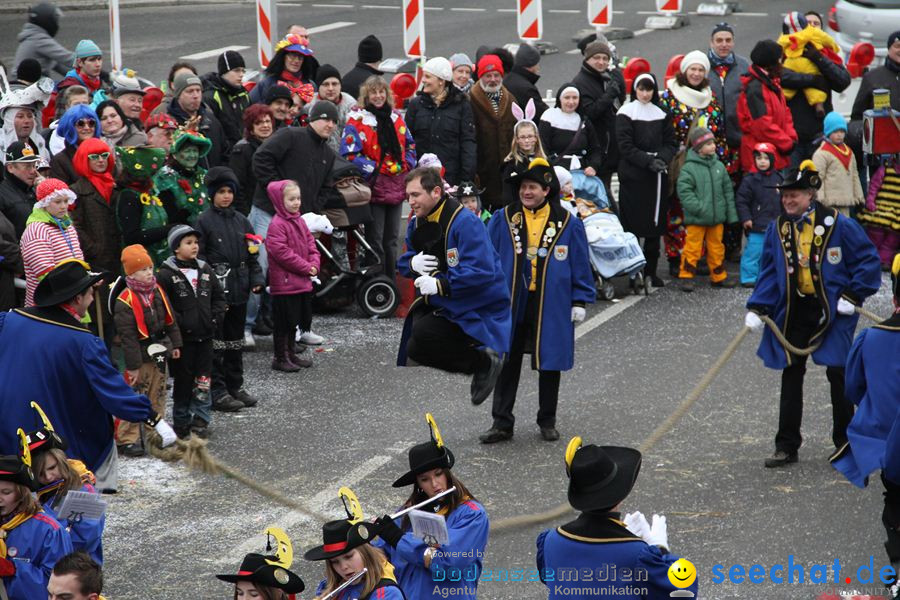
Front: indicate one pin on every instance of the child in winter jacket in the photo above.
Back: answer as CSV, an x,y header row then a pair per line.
x,y
795,39
230,246
143,316
293,261
758,204
836,165
707,199
199,305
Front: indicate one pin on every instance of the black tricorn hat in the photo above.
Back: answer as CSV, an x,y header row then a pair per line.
x,y
425,457
256,568
67,279
805,177
45,438
340,537
12,468
540,171
600,476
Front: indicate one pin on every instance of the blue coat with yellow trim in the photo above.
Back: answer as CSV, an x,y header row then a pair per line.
x,y
472,291
564,280
615,559
872,382
455,568
86,534
34,547
845,264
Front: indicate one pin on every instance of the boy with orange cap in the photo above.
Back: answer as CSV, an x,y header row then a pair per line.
x,y
143,317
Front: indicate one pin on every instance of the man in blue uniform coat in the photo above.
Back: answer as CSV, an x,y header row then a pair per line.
x,y
873,384
460,320
49,356
544,254
817,266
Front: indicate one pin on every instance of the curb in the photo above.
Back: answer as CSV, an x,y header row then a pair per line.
x,y
17,6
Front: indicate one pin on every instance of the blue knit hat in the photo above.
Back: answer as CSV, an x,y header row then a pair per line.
x,y
86,48
834,122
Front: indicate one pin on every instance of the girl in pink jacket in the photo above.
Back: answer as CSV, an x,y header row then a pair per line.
x,y
293,261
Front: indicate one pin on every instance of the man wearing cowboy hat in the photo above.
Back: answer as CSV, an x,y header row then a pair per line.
x,y
48,354
600,478
817,266
544,254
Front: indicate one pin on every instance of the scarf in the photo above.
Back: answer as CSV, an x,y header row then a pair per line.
x,y
716,61
40,215
387,135
142,289
9,526
291,78
102,182
494,97
91,83
690,97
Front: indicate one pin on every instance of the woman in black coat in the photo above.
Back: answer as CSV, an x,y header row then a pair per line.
x,y
259,124
646,146
569,139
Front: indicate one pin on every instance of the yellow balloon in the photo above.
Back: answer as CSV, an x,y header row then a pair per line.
x,y
682,573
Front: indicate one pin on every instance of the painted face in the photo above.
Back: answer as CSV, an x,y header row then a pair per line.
x,y
188,248
224,197
293,61
85,129
110,121
433,482
722,43
292,200
263,127
532,194
144,275
160,138
348,564
50,471
235,76
795,202
421,201
330,89
9,497
568,102
377,97
131,105
695,74
92,65
526,138
643,95
462,75
599,62
246,589
24,123
189,156
58,207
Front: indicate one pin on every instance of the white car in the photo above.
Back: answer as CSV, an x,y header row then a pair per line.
x,y
853,21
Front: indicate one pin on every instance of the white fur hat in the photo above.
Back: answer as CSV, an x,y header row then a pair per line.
x,y
440,67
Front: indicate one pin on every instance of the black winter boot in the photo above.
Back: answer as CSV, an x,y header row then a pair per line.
x,y
281,361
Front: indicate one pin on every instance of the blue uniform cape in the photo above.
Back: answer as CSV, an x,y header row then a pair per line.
x,y
872,382
595,557
48,357
34,547
843,263
86,534
455,568
564,279
471,289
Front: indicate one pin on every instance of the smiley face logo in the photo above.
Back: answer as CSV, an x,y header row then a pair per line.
x,y
682,573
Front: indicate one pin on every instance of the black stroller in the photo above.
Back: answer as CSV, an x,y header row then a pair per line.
x,y
351,270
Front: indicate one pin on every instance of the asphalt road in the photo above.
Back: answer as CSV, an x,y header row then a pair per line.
x,y
350,419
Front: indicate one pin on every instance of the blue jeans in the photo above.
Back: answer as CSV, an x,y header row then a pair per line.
x,y
750,257
260,220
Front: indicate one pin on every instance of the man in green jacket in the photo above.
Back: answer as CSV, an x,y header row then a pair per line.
x,y
707,199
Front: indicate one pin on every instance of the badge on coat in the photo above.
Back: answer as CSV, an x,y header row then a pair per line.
x,y
834,255
452,257
561,252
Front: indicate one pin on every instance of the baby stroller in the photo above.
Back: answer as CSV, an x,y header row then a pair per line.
x,y
351,270
613,251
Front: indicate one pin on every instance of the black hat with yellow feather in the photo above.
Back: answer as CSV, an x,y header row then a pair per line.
x,y
343,535
424,457
17,468
270,570
600,476
804,177
44,438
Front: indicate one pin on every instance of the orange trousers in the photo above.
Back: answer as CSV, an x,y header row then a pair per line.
x,y
693,248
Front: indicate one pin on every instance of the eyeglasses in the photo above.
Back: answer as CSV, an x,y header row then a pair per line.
x,y
85,123
100,156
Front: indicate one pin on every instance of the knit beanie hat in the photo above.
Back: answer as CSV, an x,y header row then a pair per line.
x,y
28,70
177,233
723,26
218,177
50,189
184,81
323,109
700,136
563,175
278,91
134,258
460,59
86,48
694,57
834,122
488,64
326,72
439,67
766,54
793,22
527,56
229,60
369,50
597,47
893,38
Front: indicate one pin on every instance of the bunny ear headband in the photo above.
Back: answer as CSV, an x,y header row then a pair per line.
x,y
526,116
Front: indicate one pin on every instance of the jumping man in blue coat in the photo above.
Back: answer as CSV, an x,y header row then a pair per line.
x,y
460,320
544,254
873,381
817,266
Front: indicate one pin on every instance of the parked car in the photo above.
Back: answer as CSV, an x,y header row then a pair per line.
x,y
852,21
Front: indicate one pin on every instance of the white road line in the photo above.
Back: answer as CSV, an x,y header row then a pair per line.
x,y
330,26
506,10
434,8
467,9
334,6
381,6
212,53
293,4
326,502
564,11
642,32
573,51
601,318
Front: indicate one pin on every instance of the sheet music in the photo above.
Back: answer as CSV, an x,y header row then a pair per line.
x,y
77,506
429,527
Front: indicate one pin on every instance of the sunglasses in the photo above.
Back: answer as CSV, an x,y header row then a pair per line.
x,y
85,123
100,156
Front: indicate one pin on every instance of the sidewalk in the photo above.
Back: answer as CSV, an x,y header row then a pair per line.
x,y
21,6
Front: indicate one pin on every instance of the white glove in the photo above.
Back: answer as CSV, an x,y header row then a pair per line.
x,y
577,314
845,308
315,280
637,524
423,264
166,432
753,321
427,285
658,533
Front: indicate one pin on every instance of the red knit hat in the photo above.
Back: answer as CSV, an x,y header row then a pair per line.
x,y
488,63
51,188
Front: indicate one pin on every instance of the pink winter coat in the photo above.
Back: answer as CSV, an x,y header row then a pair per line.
x,y
290,246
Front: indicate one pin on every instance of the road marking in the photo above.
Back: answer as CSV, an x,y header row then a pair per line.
x,y
564,11
613,311
289,4
329,26
573,51
466,9
434,8
326,502
212,53
641,32
334,6
506,10
381,6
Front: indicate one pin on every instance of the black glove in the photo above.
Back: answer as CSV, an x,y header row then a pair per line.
x,y
658,165
811,52
388,530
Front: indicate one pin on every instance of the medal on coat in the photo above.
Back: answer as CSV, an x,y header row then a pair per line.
x,y
531,253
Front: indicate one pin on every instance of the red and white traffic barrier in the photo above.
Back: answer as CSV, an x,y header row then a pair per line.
x,y
530,20
266,28
668,7
600,12
414,28
115,36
